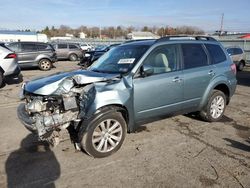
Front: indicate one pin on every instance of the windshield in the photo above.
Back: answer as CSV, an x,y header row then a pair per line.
x,y
120,59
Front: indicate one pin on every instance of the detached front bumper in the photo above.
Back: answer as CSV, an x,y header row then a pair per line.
x,y
25,118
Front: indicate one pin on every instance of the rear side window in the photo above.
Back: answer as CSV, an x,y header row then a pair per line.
x,y
216,53
14,47
194,56
62,46
72,46
28,47
45,47
238,51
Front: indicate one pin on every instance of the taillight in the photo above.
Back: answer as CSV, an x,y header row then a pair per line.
x,y
233,68
9,56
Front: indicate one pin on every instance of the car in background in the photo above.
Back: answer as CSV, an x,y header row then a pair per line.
x,y
92,56
70,51
238,56
8,64
86,47
34,54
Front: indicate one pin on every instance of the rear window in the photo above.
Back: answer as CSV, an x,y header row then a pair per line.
x,y
72,46
216,53
62,46
193,56
28,47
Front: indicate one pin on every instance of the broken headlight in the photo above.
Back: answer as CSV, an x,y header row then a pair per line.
x,y
36,105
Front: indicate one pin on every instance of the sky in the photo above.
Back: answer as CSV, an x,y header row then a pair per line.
x,y
205,14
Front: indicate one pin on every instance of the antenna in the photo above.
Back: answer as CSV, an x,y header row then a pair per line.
x,y
221,23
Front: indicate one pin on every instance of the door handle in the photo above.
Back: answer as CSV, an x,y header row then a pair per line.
x,y
211,72
177,79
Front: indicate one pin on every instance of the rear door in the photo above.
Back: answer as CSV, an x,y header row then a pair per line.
x,y
162,92
197,74
28,53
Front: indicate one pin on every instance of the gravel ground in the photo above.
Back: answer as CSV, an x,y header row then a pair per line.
x,y
179,151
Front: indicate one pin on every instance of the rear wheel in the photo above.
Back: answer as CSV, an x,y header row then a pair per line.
x,y
215,108
73,57
45,64
105,135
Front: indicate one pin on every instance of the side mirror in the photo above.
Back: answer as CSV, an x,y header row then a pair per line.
x,y
147,70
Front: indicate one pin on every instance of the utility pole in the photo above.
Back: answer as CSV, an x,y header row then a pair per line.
x,y
221,23
100,30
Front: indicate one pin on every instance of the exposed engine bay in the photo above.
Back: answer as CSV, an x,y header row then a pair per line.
x,y
65,104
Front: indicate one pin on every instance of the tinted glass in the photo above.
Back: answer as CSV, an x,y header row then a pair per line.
x,y
163,59
28,47
216,53
120,59
230,51
72,46
62,46
14,47
237,51
45,47
193,56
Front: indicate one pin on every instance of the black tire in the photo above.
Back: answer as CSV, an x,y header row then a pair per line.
x,y
73,57
1,79
207,113
45,64
240,66
88,136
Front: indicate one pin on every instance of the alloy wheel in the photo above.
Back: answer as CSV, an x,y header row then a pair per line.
x,y
217,107
107,135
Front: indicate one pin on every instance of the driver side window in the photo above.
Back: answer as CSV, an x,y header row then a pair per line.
x,y
163,59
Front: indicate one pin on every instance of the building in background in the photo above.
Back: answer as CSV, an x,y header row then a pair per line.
x,y
82,35
137,35
14,36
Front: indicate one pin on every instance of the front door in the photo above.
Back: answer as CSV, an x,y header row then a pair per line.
x,y
62,51
162,92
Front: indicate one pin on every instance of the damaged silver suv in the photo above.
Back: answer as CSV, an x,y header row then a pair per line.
x,y
132,82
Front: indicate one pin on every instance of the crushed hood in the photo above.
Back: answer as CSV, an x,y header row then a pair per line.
x,y
51,84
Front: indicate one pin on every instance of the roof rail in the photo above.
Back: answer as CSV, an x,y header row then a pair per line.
x,y
137,40
187,37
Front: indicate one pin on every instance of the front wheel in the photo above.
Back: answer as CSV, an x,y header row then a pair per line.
x,y
105,135
215,108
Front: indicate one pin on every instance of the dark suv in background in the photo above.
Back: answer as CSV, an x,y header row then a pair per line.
x,y
34,54
70,51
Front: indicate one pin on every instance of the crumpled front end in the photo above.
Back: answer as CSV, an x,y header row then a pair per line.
x,y
47,115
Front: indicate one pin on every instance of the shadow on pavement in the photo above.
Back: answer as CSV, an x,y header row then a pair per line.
x,y
32,165
238,145
243,78
9,80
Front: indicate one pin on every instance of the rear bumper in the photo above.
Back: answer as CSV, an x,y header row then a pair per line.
x,y
26,120
14,72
